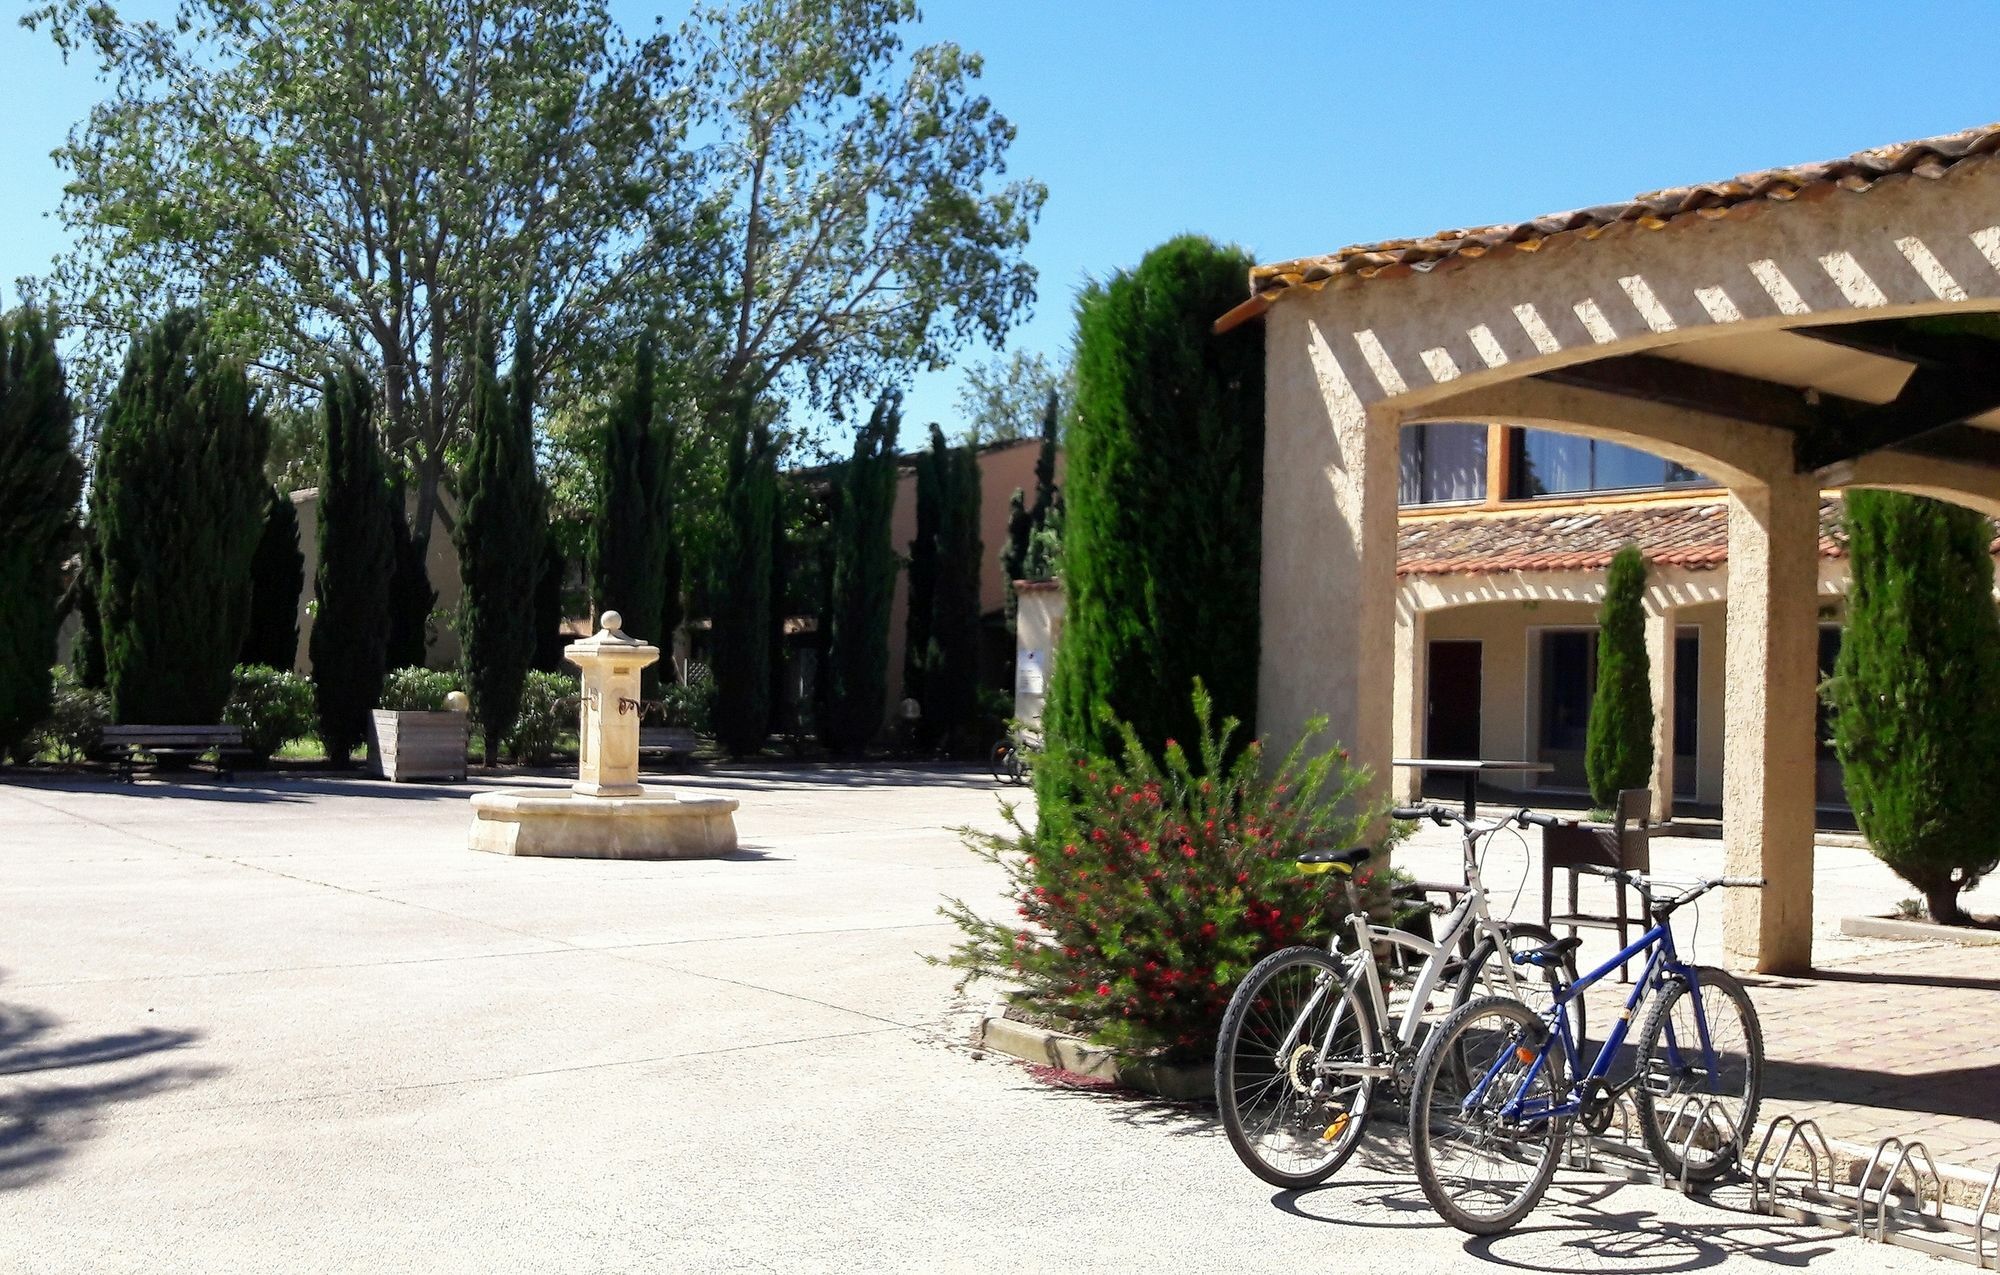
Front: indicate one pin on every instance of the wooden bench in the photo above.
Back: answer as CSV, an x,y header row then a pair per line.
x,y
123,744
670,741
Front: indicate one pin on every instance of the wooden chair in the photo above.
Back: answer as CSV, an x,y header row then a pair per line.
x,y
1622,844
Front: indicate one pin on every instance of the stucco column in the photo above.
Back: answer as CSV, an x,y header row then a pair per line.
x,y
1411,700
1660,656
1328,598
1772,664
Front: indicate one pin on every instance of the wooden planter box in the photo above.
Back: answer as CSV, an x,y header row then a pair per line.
x,y
405,746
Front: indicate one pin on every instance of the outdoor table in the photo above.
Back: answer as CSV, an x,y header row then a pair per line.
x,y
1472,770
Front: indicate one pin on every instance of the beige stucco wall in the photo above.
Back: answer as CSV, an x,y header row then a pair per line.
x,y
442,565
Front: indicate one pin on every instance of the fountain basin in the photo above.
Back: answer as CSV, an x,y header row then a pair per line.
x,y
654,824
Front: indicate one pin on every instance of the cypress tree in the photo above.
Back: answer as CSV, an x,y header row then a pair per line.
x,y
39,480
411,597
1023,521
277,577
1014,553
1164,503
952,678
742,633
178,503
500,538
1046,493
1618,744
632,541
549,604
1914,689
353,580
86,657
855,684
921,595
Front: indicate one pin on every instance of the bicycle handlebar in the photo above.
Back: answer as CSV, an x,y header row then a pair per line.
x,y
1442,815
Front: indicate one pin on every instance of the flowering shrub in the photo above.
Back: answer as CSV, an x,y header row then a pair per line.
x,y
548,709
416,689
76,714
270,706
1148,889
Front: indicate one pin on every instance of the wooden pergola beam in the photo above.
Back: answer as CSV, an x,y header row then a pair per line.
x,y
1698,389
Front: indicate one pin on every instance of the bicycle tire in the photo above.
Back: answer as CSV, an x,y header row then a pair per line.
x,y
1660,1081
1469,1044
1287,1142
1520,936
998,761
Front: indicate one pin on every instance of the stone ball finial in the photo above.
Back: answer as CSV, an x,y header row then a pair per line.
x,y
613,622
457,702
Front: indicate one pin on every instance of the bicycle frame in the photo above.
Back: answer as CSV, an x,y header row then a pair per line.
x,y
1662,962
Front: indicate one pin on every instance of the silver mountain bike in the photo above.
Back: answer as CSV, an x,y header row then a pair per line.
x,y
1313,1035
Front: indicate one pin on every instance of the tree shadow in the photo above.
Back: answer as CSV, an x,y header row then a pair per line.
x,y
49,1103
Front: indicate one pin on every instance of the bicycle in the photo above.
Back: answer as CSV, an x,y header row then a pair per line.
x,y
1302,1045
1007,759
1490,1106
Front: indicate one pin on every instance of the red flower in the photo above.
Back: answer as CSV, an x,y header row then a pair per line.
x,y
1187,851
1208,929
1070,850
1104,989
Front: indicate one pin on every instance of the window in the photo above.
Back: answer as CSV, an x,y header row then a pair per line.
x,y
1443,463
1548,464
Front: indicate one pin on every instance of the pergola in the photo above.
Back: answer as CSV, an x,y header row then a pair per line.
x,y
1785,332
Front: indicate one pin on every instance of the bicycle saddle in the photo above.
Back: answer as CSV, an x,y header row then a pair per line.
x,y
1549,955
1341,861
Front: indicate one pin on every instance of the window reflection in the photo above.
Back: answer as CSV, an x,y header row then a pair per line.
x,y
1547,464
1442,463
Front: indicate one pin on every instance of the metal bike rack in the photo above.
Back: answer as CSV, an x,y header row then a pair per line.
x,y
1903,1150
1819,1201
1804,1133
1710,1105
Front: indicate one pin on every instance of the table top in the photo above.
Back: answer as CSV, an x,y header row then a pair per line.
x,y
1468,763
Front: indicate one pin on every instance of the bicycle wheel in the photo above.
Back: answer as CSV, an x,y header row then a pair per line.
x,y
1292,1114
1536,987
1672,1099
1480,1169
1017,767
1002,761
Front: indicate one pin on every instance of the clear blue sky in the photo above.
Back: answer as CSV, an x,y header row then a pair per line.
x,y
1296,128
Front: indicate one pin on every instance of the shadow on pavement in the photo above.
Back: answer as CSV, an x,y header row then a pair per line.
x,y
49,1101
1577,1228
248,789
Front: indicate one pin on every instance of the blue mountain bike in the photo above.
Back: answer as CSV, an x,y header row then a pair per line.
x,y
1492,1097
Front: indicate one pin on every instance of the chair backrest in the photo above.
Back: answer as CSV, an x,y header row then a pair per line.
x,y
1632,821
1635,805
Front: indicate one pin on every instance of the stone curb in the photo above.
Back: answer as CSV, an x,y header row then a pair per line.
x,y
1184,1083
1883,927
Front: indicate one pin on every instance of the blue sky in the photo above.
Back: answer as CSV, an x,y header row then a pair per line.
x,y
1296,128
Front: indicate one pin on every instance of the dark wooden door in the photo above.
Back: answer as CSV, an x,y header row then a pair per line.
x,y
1451,707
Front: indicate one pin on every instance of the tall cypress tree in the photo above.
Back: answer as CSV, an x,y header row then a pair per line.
x,y
946,663
1046,493
1914,689
178,503
742,633
1014,553
277,577
549,604
86,657
501,534
1162,542
632,540
1025,521
358,527
855,683
39,480
411,597
1618,744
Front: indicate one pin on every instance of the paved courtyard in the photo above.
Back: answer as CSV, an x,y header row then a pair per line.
x,y
294,1025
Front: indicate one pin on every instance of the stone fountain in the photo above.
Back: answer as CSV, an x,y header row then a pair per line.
x,y
607,813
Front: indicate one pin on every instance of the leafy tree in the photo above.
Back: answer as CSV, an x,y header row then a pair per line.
x,y
853,183
1000,398
359,175
358,532
1164,502
178,502
856,681
1025,524
39,480
634,562
549,641
1913,690
500,535
1618,746
1045,545
277,577
942,653
742,616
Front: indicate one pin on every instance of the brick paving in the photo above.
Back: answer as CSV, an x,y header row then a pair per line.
x,y
1903,1041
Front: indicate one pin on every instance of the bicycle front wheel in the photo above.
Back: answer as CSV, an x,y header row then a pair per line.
x,y
1295,1067
1481,1166
1701,1100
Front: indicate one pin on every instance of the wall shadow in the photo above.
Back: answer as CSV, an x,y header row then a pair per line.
x,y
54,1091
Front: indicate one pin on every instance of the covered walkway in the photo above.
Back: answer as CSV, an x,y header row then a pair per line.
x,y
1787,333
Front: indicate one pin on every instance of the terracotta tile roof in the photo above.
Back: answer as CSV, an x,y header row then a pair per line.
x,y
1694,536
1929,157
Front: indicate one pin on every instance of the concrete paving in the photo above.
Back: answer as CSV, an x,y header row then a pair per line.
x,y
295,1025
